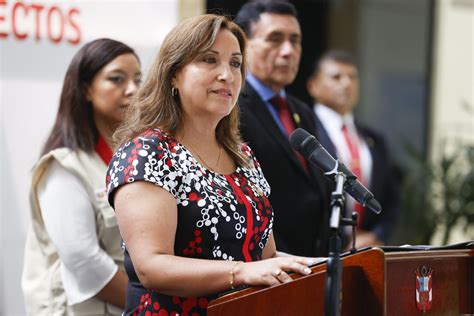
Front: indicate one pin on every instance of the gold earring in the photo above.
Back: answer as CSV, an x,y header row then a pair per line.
x,y
174,91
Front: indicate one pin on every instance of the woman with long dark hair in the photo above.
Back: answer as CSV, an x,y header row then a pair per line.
x,y
73,257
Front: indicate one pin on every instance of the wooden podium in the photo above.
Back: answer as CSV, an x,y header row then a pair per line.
x,y
374,282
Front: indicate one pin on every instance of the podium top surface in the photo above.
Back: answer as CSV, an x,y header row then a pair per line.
x,y
463,245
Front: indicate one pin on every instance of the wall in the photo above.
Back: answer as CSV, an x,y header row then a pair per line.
x,y
37,42
393,49
452,96
453,72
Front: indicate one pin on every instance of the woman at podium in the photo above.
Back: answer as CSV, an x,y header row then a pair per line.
x,y
190,197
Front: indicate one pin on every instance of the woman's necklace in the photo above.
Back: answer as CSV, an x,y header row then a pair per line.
x,y
204,161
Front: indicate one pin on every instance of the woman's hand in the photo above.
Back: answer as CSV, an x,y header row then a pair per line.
x,y
315,260
270,272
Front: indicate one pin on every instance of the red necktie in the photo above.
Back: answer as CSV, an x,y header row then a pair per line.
x,y
283,113
285,117
354,164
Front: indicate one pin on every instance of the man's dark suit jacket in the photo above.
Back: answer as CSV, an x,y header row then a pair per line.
x,y
384,183
300,200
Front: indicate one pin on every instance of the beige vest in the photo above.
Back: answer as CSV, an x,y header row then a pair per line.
x,y
41,281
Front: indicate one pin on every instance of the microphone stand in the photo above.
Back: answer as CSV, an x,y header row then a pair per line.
x,y
332,291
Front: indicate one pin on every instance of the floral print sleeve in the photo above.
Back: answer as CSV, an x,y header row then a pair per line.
x,y
149,157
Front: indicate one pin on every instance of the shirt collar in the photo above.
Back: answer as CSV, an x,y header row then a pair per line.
x,y
333,118
263,90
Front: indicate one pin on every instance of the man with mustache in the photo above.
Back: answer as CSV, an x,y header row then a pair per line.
x,y
299,194
334,86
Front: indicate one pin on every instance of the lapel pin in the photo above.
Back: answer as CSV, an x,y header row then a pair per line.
x,y
296,117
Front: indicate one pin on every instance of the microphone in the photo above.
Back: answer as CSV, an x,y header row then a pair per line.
x,y
311,149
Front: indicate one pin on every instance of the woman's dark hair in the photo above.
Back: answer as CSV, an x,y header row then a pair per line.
x,y
251,11
74,127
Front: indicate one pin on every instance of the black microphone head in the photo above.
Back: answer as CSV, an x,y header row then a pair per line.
x,y
374,206
297,137
304,142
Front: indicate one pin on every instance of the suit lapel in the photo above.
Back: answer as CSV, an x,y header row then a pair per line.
x,y
370,141
324,139
266,119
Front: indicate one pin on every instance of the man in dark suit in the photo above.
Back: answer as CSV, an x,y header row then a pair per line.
x,y
299,195
334,86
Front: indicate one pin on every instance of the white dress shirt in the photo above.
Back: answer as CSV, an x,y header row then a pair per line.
x,y
332,123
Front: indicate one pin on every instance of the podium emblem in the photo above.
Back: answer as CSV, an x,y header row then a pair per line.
x,y
424,288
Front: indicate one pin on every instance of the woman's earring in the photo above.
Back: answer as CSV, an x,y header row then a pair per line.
x,y
174,91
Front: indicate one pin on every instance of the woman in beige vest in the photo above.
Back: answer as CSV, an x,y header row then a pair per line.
x,y
73,257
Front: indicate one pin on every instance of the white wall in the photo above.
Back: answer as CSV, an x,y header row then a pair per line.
x,y
31,73
452,118
453,85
